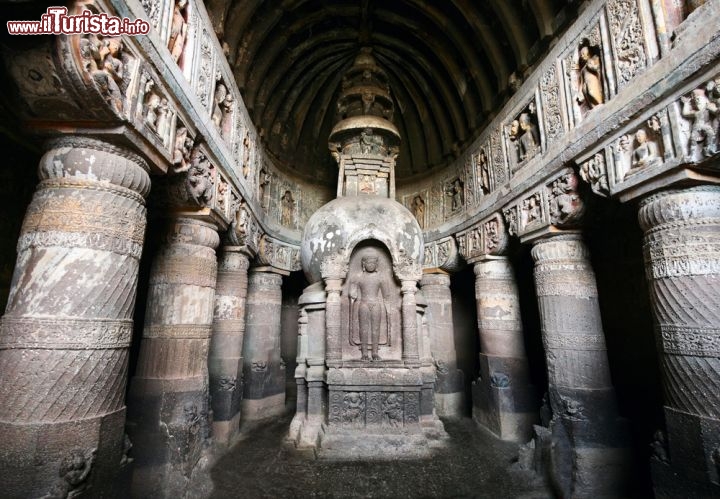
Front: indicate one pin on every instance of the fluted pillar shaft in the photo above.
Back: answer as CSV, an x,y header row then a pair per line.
x,y
168,408
264,394
588,435
504,400
682,258
450,384
225,361
65,336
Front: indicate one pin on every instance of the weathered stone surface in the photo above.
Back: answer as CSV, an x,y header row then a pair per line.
x,y
504,400
264,371
450,385
66,332
168,415
225,362
581,395
682,258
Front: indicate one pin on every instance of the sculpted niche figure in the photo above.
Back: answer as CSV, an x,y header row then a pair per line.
x,y
368,295
178,30
287,217
418,209
698,109
646,152
590,89
530,138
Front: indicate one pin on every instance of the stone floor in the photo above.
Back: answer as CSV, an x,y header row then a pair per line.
x,y
473,465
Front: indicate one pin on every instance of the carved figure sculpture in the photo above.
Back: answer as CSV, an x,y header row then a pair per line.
x,y
530,139
456,193
393,410
484,171
104,63
199,179
590,89
698,109
152,105
181,153
74,472
163,118
226,107
221,94
646,152
418,209
178,30
354,408
287,217
368,295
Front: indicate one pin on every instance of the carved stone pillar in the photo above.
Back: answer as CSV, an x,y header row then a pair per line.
x,y
168,406
682,258
589,455
411,352
333,349
225,362
504,401
264,394
450,384
64,338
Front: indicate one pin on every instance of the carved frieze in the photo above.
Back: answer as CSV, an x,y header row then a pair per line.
x,y
440,254
278,254
552,111
107,63
392,410
594,172
700,127
206,70
627,38
488,237
499,167
565,206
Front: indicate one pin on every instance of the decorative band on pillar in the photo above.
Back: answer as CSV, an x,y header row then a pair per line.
x,y
65,336
682,258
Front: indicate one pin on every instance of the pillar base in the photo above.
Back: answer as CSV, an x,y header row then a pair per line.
x,y
503,401
670,483
264,408
30,450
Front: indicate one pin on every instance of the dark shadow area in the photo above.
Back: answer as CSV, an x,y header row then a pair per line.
x,y
473,465
615,242
467,342
523,266
18,178
292,288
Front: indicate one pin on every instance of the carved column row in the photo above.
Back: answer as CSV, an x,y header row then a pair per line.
x,y
168,419
682,258
65,337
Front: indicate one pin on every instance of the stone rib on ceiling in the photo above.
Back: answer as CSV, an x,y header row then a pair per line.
x,y
448,63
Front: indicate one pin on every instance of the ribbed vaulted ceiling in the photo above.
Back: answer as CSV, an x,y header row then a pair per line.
x,y
448,62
